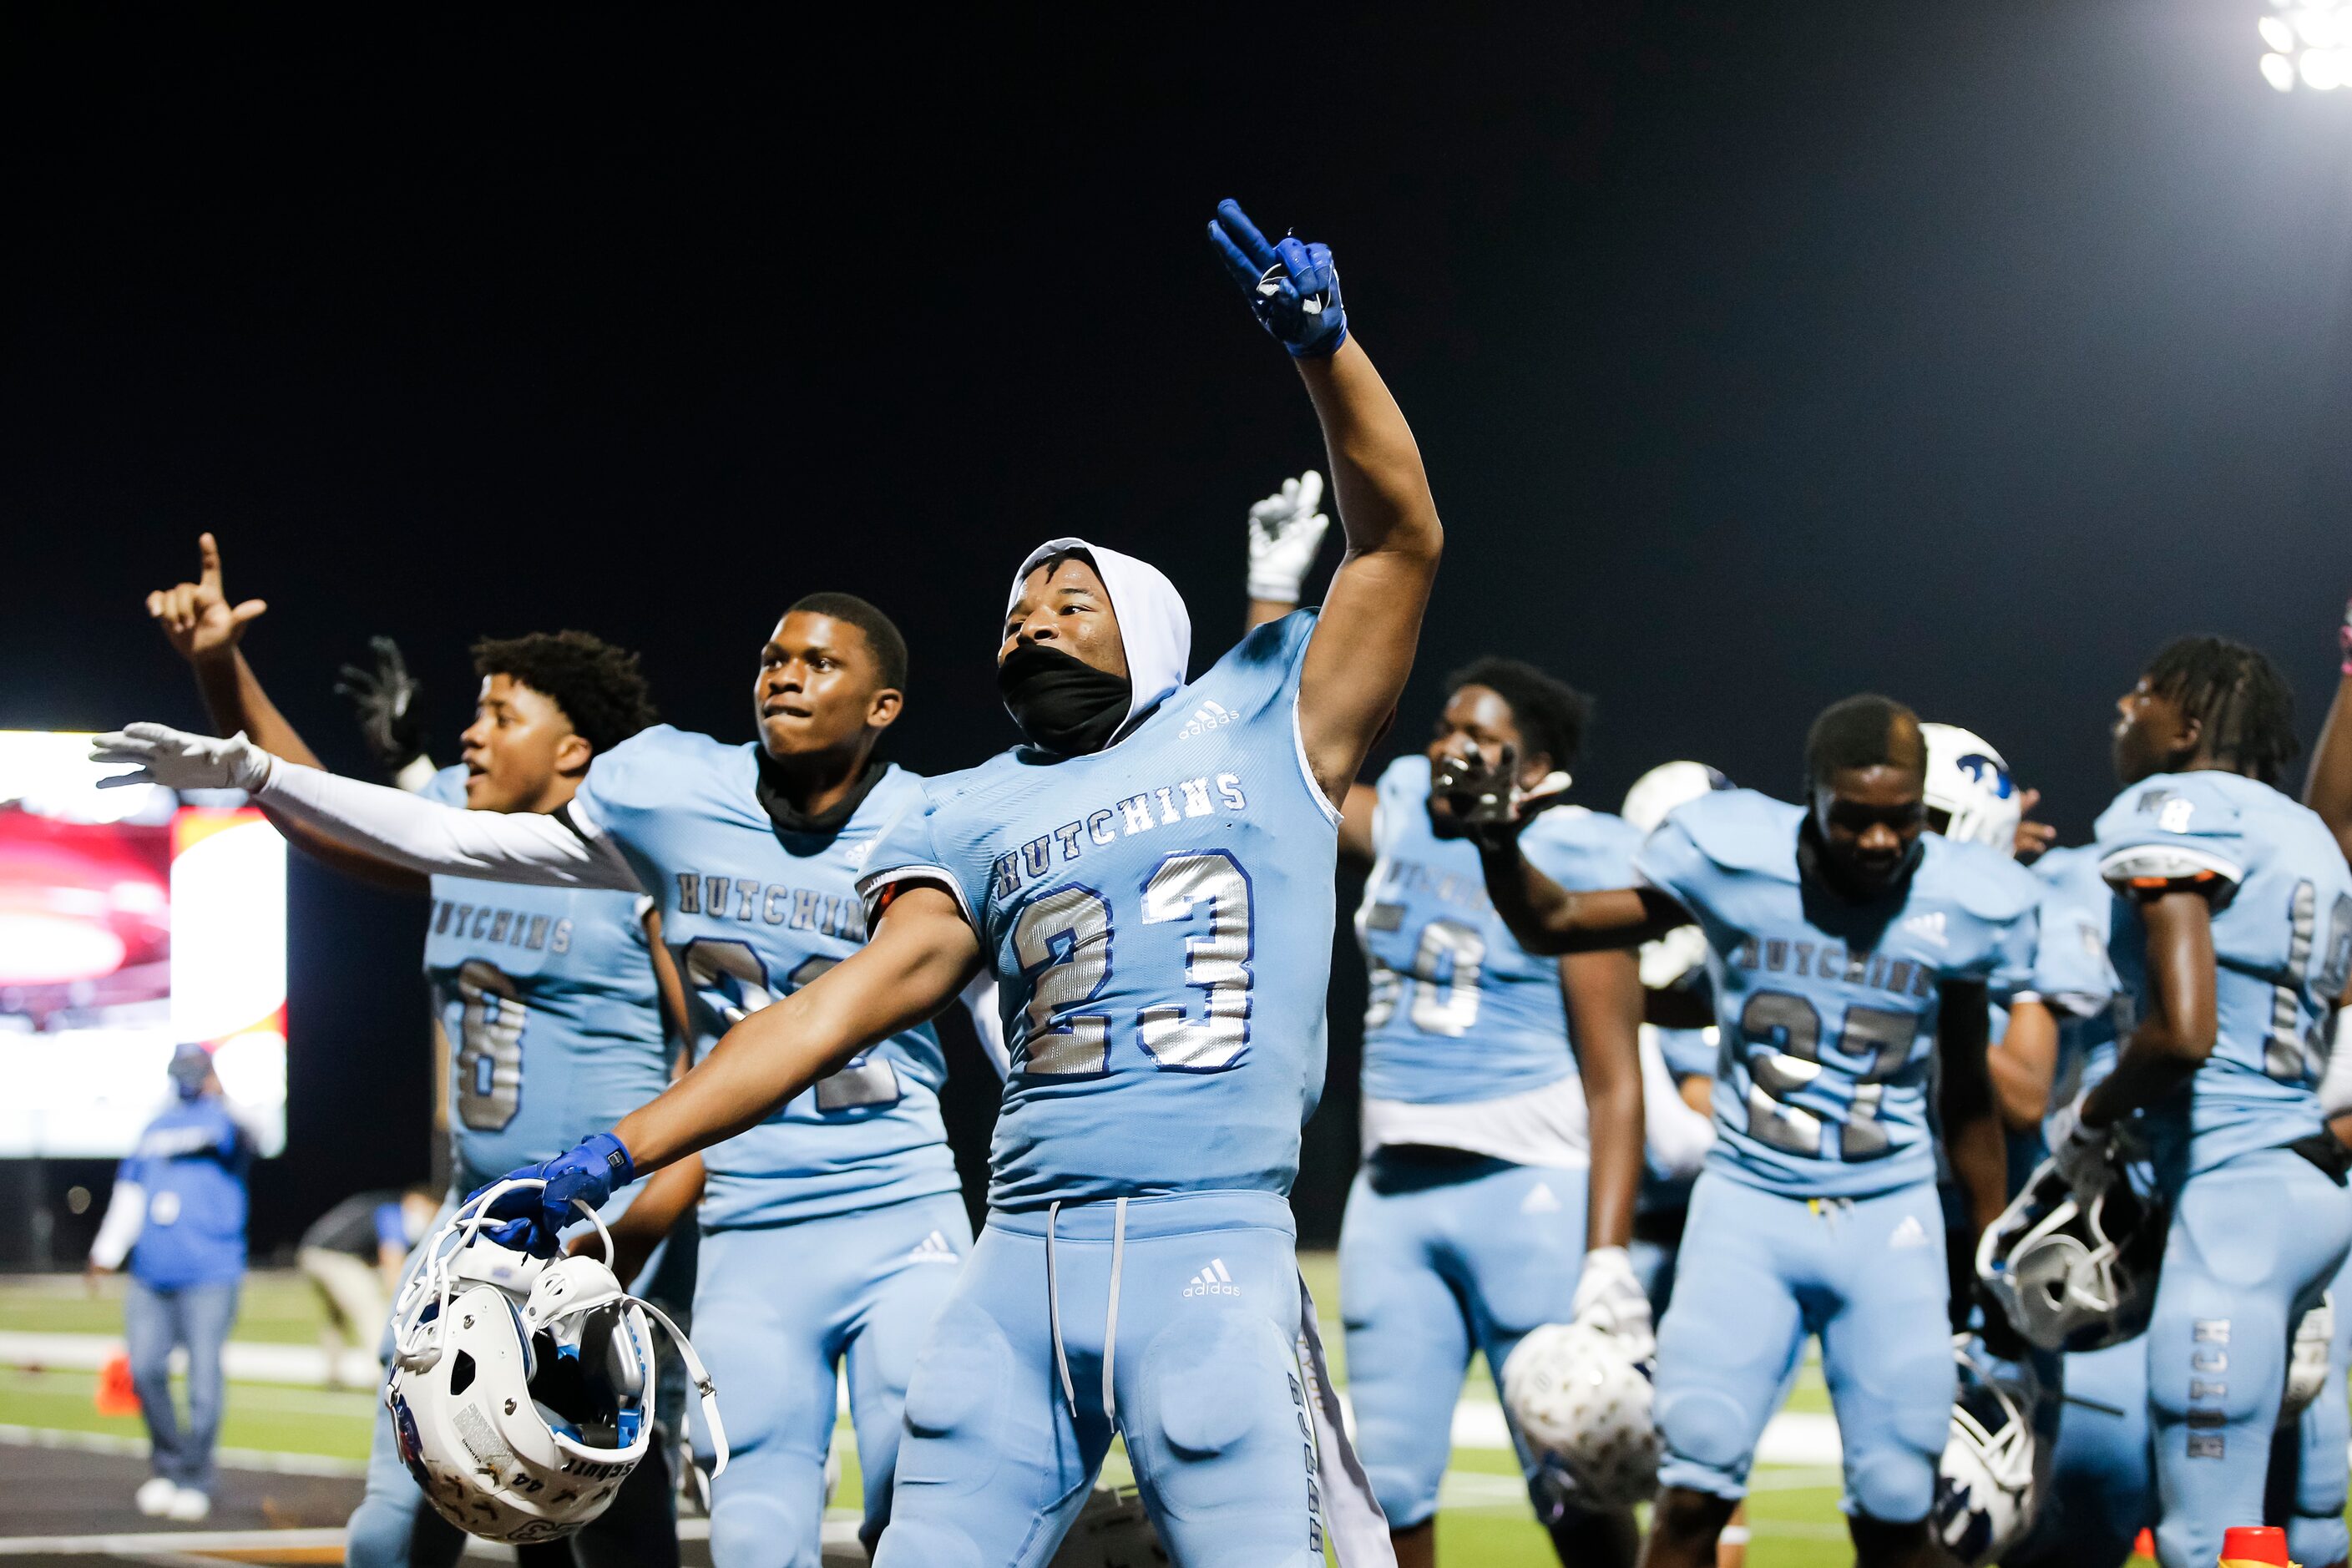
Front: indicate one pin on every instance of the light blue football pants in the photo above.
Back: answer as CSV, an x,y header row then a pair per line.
x,y
1173,1320
2316,1534
777,1310
2254,1241
1441,1255
2099,1492
1757,1273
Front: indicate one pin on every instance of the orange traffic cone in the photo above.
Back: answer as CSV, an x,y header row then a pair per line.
x,y
114,1394
2144,1545
2254,1546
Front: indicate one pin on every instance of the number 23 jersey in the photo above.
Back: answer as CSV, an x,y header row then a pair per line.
x,y
548,1000
1158,918
2282,900
1828,1010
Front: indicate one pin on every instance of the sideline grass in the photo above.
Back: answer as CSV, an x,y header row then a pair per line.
x,y
1484,1519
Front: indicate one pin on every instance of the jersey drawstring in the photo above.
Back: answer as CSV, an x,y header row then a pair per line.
x,y
1053,1313
1110,1318
1110,1321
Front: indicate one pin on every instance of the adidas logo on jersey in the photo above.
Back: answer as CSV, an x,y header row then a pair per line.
x,y
1208,716
1908,1235
934,1248
1211,1281
1929,927
1540,1199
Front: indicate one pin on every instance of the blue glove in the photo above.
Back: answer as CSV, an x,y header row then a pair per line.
x,y
1292,286
530,1220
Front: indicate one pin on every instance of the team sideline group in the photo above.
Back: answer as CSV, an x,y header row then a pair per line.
x,y
2034,1140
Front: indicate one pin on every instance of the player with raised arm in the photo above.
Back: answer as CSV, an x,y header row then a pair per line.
x,y
833,1229
1483,1067
1150,880
549,996
2233,938
1850,956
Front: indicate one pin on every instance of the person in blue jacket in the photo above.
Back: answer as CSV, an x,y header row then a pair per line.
x,y
178,1218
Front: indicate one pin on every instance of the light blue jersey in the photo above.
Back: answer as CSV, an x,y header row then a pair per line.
x,y
2073,973
1828,1009
1157,915
2282,900
752,913
548,999
1459,1010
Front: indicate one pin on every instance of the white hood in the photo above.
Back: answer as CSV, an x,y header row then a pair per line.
x,y
1153,624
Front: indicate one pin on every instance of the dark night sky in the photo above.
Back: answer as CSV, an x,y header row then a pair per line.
x,y
1759,354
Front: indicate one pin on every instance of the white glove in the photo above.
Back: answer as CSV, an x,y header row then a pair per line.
x,y
1608,1298
2080,1153
177,760
1284,531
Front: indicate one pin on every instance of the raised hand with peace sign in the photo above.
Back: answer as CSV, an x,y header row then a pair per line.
x,y
196,618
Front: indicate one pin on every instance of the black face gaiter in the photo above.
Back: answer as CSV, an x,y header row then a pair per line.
x,y
1063,704
772,788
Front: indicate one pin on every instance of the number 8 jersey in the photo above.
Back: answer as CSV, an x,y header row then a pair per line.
x,y
546,998
1158,918
1828,1009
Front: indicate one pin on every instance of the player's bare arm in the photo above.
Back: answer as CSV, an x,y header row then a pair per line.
x,y
1969,1111
1604,992
921,957
208,631
1356,667
2176,1028
2024,1064
2327,788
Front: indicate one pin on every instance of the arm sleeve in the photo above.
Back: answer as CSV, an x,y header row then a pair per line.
x,y
907,852
126,1217
2335,1086
559,850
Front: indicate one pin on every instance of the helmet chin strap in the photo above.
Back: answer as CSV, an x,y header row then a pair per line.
x,y
563,1288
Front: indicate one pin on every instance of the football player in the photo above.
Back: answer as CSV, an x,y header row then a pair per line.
x,y
551,996
2234,940
1851,957
751,853
1498,1087
1149,878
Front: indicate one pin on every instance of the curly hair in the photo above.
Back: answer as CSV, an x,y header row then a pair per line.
x,y
2240,698
599,687
1551,715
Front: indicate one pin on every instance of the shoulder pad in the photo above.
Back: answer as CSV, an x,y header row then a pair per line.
x,y
617,770
2195,805
1984,881
1742,830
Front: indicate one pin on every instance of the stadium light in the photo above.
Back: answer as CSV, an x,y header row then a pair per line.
x,y
2307,42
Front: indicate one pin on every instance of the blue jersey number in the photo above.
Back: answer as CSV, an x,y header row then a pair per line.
x,y
489,1046
1446,963
1791,1026
2294,1052
1063,943
732,978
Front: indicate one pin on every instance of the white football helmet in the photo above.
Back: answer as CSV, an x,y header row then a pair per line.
x,y
2306,1361
1970,794
521,1388
1112,1532
1584,1405
2070,1275
1984,1488
1684,949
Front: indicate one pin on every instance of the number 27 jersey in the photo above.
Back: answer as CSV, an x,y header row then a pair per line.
x,y
1159,917
1828,1009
